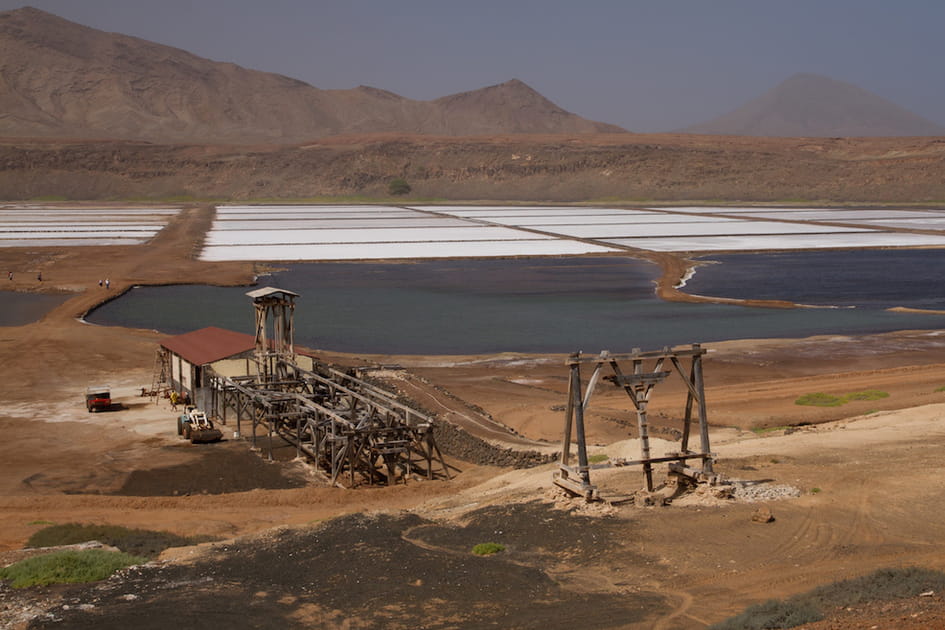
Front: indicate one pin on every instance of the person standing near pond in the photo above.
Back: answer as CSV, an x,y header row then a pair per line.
x,y
107,283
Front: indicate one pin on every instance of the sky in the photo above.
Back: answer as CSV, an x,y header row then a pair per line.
x,y
648,66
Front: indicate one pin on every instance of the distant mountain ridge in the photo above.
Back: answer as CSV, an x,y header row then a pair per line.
x,y
810,105
62,79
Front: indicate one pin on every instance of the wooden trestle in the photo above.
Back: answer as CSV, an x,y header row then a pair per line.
x,y
638,384
354,431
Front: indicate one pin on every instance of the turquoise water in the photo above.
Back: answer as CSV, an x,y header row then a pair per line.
x,y
18,309
485,306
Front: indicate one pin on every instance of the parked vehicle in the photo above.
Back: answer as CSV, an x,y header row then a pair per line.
x,y
194,425
98,398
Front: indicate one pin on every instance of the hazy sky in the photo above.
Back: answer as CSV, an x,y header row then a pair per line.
x,y
653,65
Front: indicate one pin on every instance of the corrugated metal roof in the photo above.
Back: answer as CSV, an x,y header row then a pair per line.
x,y
210,344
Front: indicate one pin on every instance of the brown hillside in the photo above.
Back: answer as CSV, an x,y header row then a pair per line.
x,y
522,110
815,106
61,79
526,167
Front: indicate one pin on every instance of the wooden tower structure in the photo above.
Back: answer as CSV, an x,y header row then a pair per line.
x,y
274,331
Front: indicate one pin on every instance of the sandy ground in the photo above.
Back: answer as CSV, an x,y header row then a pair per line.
x,y
867,472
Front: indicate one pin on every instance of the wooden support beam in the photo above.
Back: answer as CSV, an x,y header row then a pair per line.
x,y
344,430
638,384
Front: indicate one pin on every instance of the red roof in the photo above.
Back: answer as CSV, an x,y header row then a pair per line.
x,y
209,344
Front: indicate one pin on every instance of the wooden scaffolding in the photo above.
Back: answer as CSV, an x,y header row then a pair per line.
x,y
350,428
646,370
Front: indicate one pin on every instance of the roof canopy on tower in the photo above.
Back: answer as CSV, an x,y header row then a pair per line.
x,y
268,291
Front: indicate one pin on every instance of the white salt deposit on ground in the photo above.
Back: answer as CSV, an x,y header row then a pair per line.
x,y
606,219
841,215
341,232
774,242
367,235
386,251
339,223
928,223
703,228
32,226
512,211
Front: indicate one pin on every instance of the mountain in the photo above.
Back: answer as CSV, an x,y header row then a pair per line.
x,y
810,105
515,106
62,79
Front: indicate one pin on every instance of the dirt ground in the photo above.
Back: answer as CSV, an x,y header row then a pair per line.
x,y
867,474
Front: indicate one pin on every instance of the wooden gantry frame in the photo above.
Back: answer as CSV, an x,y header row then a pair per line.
x,y
353,430
638,382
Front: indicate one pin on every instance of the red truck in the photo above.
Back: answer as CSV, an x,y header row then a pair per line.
x,y
98,398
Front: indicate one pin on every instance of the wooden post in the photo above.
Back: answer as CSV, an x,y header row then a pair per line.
x,y
703,415
574,383
583,469
687,420
255,417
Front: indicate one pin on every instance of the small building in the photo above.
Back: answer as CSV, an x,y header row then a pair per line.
x,y
186,358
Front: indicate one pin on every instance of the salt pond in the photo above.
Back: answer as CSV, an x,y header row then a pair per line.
x,y
36,225
863,278
286,233
478,306
758,242
18,309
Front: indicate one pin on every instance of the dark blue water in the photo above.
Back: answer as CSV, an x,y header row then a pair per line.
x,y
485,306
18,309
867,278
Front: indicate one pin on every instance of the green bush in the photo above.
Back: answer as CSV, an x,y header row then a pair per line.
x,y
596,459
819,399
398,186
487,549
141,542
67,567
869,394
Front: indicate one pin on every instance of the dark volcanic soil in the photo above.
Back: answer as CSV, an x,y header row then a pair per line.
x,y
363,571
218,469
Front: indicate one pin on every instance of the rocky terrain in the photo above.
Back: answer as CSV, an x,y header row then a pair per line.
x,y
588,168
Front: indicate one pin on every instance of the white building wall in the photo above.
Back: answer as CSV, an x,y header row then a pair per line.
x,y
231,367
